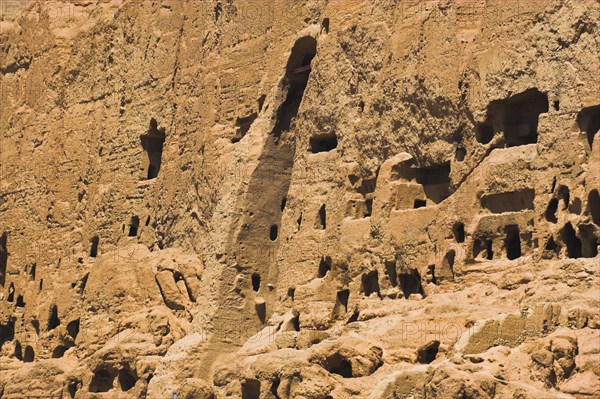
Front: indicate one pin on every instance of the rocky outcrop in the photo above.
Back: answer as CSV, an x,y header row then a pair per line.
x,y
317,199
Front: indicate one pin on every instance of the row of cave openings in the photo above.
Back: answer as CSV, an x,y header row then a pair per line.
x,y
516,119
27,354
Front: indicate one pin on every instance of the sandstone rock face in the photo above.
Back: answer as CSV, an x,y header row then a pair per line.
x,y
311,200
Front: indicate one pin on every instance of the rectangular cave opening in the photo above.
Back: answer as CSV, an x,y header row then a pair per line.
x,y
517,117
588,121
435,181
514,201
410,283
323,142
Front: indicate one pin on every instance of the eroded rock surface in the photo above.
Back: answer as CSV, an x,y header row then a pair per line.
x,y
311,200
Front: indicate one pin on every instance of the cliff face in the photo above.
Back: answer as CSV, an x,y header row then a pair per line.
x,y
315,199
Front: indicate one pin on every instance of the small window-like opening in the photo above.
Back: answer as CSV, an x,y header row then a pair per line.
x,y
273,232
20,302
32,272
325,25
428,352
133,226
299,221
126,380
53,320
73,328
341,301
274,387
489,253
419,203
571,241
28,354
18,351
484,133
410,283
390,270
72,389
588,120
431,273
148,220
459,231
152,143
361,106
517,117
41,286
283,203
323,142
296,323
59,352
3,258
556,105
551,210
255,281
102,381
460,154
94,246
250,389
322,218
369,207
291,292
370,283
11,293
324,266
593,206
513,243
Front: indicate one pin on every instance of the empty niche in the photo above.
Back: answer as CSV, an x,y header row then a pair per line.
x,y
18,351
3,258
593,206
20,302
588,121
321,222
152,143
458,229
273,232
410,283
482,248
94,246
53,320
550,213
516,117
28,354
296,78
250,389
325,25
73,328
513,242
370,283
291,292
11,293
515,201
570,239
323,142
324,266
255,281
134,224
390,270
341,302
59,351
126,379
460,154
102,381
419,203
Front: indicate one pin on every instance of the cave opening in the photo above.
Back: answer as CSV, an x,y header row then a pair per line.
x,y
102,381
588,121
370,283
94,246
324,266
410,283
513,242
